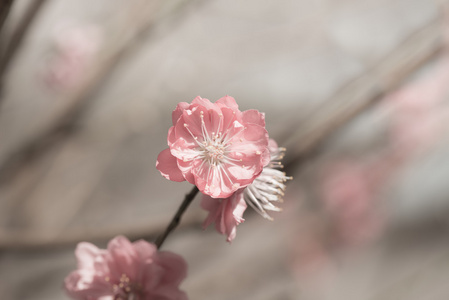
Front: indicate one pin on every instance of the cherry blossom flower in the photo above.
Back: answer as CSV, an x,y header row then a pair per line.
x,y
215,146
226,213
126,271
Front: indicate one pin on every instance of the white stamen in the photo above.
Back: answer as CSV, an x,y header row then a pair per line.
x,y
268,187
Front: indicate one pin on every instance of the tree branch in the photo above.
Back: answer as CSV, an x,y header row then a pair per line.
x,y
177,217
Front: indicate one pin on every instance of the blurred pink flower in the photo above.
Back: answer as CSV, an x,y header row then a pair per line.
x,y
215,146
225,213
75,47
349,195
418,111
126,271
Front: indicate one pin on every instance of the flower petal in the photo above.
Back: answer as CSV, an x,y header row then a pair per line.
x,y
253,116
175,267
226,213
178,111
203,102
227,101
214,181
86,253
237,206
167,164
122,258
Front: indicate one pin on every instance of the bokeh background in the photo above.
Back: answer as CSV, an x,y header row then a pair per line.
x,y
356,90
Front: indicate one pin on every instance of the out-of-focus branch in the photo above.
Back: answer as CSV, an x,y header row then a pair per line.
x,y
62,124
361,93
17,38
5,7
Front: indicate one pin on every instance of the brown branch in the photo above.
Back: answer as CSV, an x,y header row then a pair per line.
x,y
363,92
177,217
18,37
5,7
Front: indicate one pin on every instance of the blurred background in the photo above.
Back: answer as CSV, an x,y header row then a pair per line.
x,y
356,90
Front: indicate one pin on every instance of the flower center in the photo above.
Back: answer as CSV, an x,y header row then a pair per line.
x,y
213,152
212,147
125,290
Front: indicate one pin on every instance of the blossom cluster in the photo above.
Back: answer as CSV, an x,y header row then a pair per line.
x,y
228,155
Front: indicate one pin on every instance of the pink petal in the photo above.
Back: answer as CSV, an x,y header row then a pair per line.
x,y
144,249
265,157
77,287
122,258
186,169
213,181
183,150
203,102
215,122
211,205
227,101
256,134
167,165
86,253
272,146
254,117
178,111
225,213
175,267
246,172
171,138
192,126
229,116
233,215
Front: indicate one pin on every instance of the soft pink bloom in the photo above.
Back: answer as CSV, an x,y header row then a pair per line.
x,y
349,195
225,213
418,111
126,271
75,47
215,146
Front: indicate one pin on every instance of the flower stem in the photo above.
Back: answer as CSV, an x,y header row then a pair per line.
x,y
177,217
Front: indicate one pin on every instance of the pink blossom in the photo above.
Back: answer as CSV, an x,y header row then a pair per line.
x,y
126,271
225,213
215,146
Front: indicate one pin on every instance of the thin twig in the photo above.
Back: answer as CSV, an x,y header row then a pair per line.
x,y
18,37
177,217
